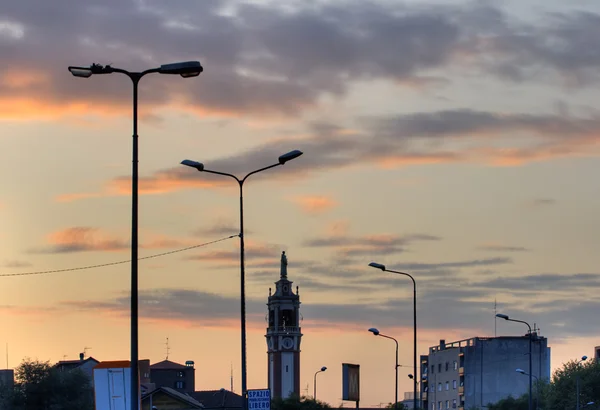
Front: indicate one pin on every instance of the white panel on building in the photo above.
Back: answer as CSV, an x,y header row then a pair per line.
x,y
287,374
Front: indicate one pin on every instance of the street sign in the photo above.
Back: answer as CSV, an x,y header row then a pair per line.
x,y
259,399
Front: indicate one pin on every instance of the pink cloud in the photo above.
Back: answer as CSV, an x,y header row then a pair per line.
x,y
315,204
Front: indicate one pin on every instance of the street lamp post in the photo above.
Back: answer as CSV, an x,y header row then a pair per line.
x,y
583,359
537,390
383,268
377,333
505,317
200,167
315,382
185,69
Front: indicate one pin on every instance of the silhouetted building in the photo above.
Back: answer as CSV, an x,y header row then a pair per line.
x,y
219,399
597,353
167,398
283,337
7,383
478,371
174,375
85,365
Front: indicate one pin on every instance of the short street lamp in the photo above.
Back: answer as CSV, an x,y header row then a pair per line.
x,y
282,160
383,268
185,69
315,382
537,390
505,317
583,359
377,333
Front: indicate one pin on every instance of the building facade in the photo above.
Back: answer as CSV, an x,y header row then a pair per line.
x,y
478,371
284,337
174,375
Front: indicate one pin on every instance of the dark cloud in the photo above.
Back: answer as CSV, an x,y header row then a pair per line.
x,y
414,266
447,308
503,248
543,202
544,282
14,264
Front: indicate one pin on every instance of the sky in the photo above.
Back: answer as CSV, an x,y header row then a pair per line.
x,y
452,140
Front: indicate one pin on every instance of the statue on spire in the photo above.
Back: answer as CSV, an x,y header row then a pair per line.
x,y
284,263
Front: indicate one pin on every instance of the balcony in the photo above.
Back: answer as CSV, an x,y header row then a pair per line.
x,y
461,371
461,390
424,397
283,329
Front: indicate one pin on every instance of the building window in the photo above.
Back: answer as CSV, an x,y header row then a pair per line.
x,y
179,385
447,386
454,384
433,371
439,369
447,366
439,405
455,365
454,403
440,387
433,406
180,374
447,404
287,368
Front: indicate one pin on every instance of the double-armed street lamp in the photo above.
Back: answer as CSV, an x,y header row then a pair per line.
x,y
315,382
383,268
377,333
506,317
282,160
186,70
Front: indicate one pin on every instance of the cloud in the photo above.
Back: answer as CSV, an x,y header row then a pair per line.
x,y
416,266
253,251
441,137
82,239
86,239
262,59
502,248
16,264
556,283
315,204
539,202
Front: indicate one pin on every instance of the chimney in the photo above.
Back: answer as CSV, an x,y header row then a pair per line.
x,y
81,356
442,344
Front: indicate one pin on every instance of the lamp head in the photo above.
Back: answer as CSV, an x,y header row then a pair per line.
x,y
501,316
374,331
520,371
323,368
185,69
377,265
194,164
584,358
289,156
410,376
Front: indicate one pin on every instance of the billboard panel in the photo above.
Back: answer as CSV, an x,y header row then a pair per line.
x,y
350,382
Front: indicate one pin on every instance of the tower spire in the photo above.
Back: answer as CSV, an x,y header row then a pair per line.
x,y
284,264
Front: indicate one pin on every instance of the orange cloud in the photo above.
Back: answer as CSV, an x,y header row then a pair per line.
x,y
315,204
83,238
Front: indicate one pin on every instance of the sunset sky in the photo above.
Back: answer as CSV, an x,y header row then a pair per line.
x,y
457,141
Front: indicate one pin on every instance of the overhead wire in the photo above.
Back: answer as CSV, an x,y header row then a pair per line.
x,y
102,265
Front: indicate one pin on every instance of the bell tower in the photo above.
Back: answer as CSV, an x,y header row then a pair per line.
x,y
283,337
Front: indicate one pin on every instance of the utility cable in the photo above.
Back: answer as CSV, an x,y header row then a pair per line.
x,y
116,263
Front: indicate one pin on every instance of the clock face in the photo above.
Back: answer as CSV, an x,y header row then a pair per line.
x,y
287,343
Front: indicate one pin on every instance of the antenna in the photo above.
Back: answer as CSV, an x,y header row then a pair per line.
x,y
306,390
168,348
85,349
7,355
495,311
231,378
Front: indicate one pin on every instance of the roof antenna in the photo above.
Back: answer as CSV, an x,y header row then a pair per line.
x,y
231,378
168,348
85,349
7,355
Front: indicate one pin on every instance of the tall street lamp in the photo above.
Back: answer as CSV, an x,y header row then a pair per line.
x,y
315,382
186,70
583,359
383,268
505,317
537,391
377,333
200,167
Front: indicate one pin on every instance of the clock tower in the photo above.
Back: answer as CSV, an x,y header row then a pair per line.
x,y
283,337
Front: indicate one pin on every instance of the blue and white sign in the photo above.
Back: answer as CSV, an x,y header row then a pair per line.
x,y
259,399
